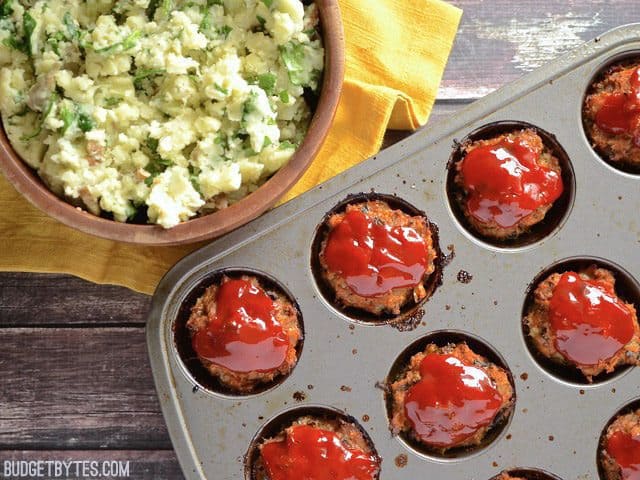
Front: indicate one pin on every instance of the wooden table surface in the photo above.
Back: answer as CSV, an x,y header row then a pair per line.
x,y
75,381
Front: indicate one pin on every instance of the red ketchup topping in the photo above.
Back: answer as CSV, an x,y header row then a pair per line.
x,y
451,402
310,453
504,182
372,258
620,112
625,450
243,334
588,320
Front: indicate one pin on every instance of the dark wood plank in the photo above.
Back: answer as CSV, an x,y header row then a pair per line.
x,y
48,299
130,464
500,40
78,388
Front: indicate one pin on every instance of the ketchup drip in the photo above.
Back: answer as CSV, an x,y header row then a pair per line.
x,y
625,450
310,453
588,320
451,402
505,183
620,112
374,259
243,334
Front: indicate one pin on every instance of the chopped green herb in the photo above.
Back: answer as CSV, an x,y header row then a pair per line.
x,y
112,101
43,116
72,28
54,40
157,164
284,96
12,42
122,46
261,20
205,24
285,145
144,74
214,2
6,8
85,122
268,3
76,115
221,89
29,25
225,30
152,144
68,116
193,178
149,180
292,55
167,7
267,82
267,142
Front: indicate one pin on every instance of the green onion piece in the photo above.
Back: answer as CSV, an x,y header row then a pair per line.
x,y
52,100
6,8
68,117
292,55
144,74
29,25
85,122
122,46
284,96
267,82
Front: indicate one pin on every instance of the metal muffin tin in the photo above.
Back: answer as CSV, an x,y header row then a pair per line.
x,y
556,424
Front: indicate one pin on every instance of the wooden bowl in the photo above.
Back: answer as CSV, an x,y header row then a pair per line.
x,y
29,184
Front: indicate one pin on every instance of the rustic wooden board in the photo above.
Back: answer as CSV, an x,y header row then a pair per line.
x,y
64,300
78,388
501,40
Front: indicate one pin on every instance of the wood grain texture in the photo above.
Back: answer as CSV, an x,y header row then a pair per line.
x,y
78,388
45,299
499,41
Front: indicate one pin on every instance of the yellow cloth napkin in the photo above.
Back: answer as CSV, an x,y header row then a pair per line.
x,y
396,51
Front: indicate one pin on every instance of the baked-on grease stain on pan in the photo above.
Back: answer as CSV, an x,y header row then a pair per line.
x,y
627,289
278,423
201,377
556,215
411,313
480,347
526,474
617,63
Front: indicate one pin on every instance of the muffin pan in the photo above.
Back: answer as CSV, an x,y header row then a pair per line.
x,y
345,362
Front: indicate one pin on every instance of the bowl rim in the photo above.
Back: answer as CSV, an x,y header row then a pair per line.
x,y
27,182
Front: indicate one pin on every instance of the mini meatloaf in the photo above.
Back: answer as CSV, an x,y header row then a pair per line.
x,y
321,449
245,335
611,115
376,258
505,185
506,476
576,318
620,449
432,403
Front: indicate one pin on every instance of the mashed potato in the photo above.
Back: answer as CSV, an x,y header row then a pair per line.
x,y
156,110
